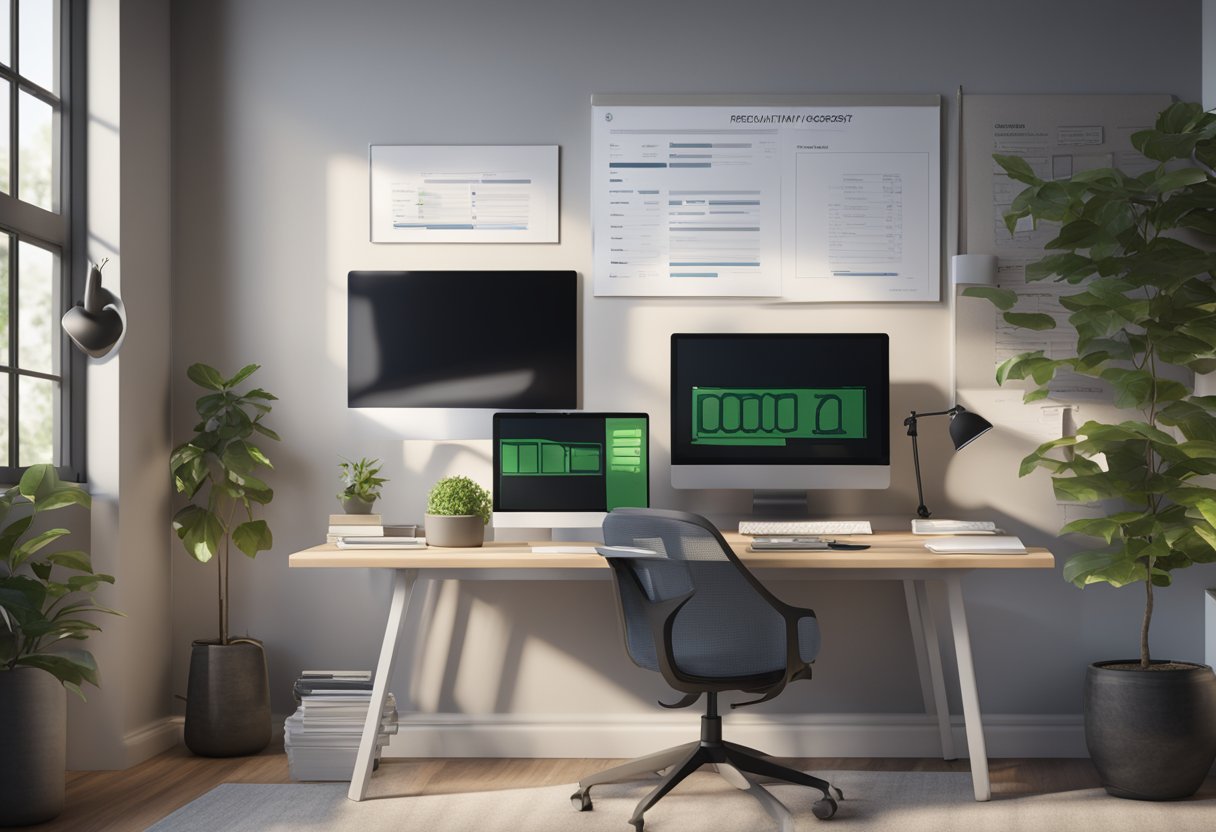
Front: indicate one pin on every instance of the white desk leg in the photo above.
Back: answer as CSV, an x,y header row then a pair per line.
x,y
403,584
929,661
976,749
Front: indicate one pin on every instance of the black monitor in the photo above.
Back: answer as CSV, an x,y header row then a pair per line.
x,y
567,470
485,339
780,412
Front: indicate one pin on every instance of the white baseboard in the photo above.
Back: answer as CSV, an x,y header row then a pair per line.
x,y
785,735
151,739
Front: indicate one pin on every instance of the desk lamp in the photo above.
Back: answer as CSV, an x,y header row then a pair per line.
x,y
96,326
965,427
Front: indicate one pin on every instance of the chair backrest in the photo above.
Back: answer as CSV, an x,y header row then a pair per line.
x,y
731,626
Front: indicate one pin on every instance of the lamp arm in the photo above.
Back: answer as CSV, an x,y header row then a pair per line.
x,y
921,509
952,411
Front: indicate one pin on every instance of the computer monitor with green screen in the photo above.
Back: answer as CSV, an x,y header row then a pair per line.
x,y
780,412
567,470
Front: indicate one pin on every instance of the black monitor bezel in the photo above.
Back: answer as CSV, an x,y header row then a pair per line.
x,y
678,452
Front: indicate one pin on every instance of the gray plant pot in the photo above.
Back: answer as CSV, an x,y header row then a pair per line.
x,y
460,531
33,746
1151,734
228,699
354,505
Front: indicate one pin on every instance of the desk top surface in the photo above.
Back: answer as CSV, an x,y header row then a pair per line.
x,y
888,550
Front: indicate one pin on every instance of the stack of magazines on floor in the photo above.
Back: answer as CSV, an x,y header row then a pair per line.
x,y
322,736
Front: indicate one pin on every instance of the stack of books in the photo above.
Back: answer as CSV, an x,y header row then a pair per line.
x,y
322,737
354,525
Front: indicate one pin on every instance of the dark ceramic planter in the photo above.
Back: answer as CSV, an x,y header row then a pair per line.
x,y
353,505
228,700
33,746
1151,734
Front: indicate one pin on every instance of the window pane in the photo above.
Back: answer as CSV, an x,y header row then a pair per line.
x,y
6,40
36,152
5,150
36,421
4,272
37,55
4,460
37,326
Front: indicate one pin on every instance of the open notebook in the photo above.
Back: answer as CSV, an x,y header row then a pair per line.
x,y
983,544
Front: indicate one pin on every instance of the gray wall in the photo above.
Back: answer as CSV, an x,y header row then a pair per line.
x,y
275,103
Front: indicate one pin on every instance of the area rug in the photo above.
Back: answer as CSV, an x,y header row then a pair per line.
x,y
878,801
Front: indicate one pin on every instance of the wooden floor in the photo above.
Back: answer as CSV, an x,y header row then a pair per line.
x,y
131,800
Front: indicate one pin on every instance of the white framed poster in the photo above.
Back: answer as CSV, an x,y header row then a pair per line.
x,y
464,193
795,198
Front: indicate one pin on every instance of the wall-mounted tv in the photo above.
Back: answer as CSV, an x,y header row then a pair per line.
x,y
484,339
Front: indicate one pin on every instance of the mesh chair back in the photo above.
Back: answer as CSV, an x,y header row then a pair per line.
x,y
729,628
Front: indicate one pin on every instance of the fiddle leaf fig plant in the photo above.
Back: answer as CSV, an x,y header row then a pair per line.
x,y
45,594
1139,250
218,472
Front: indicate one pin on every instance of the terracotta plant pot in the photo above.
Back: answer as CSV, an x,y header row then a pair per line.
x,y
460,531
33,746
228,700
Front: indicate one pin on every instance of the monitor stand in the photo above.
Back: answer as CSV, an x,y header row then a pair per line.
x,y
779,505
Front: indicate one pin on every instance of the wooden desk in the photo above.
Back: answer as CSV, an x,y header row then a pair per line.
x,y
891,556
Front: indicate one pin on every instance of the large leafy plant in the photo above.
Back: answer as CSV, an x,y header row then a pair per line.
x,y
43,595
1145,300
217,471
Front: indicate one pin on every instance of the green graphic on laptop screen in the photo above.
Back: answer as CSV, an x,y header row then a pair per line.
x,y
571,462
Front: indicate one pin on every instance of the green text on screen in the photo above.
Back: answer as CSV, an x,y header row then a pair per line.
x,y
772,416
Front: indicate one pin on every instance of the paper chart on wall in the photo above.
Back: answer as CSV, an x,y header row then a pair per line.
x,y
464,194
1058,136
807,199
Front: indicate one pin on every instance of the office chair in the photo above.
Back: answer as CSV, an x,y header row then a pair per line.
x,y
693,612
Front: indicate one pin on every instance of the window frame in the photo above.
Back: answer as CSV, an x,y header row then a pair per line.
x,y
65,231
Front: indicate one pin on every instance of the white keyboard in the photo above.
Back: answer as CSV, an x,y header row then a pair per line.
x,y
920,526
804,528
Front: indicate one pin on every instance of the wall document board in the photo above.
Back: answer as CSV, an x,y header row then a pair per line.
x,y
1058,136
798,198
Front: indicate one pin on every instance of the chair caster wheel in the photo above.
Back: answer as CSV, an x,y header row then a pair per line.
x,y
824,809
581,801
839,793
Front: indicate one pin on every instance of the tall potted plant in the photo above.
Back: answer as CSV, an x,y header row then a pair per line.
x,y
44,596
1145,301
228,696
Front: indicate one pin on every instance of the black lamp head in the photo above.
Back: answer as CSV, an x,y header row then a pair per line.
x,y
96,326
966,427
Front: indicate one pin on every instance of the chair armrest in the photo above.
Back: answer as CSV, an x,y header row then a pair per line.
x,y
628,552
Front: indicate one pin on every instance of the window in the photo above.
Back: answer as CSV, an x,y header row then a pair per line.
x,y
41,228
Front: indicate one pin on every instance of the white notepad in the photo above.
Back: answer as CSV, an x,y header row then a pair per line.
x,y
980,544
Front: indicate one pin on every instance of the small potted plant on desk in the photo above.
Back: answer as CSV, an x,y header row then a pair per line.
x,y
1145,298
42,598
457,511
360,485
228,696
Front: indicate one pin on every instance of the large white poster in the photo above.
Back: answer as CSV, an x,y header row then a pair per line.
x,y
824,199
